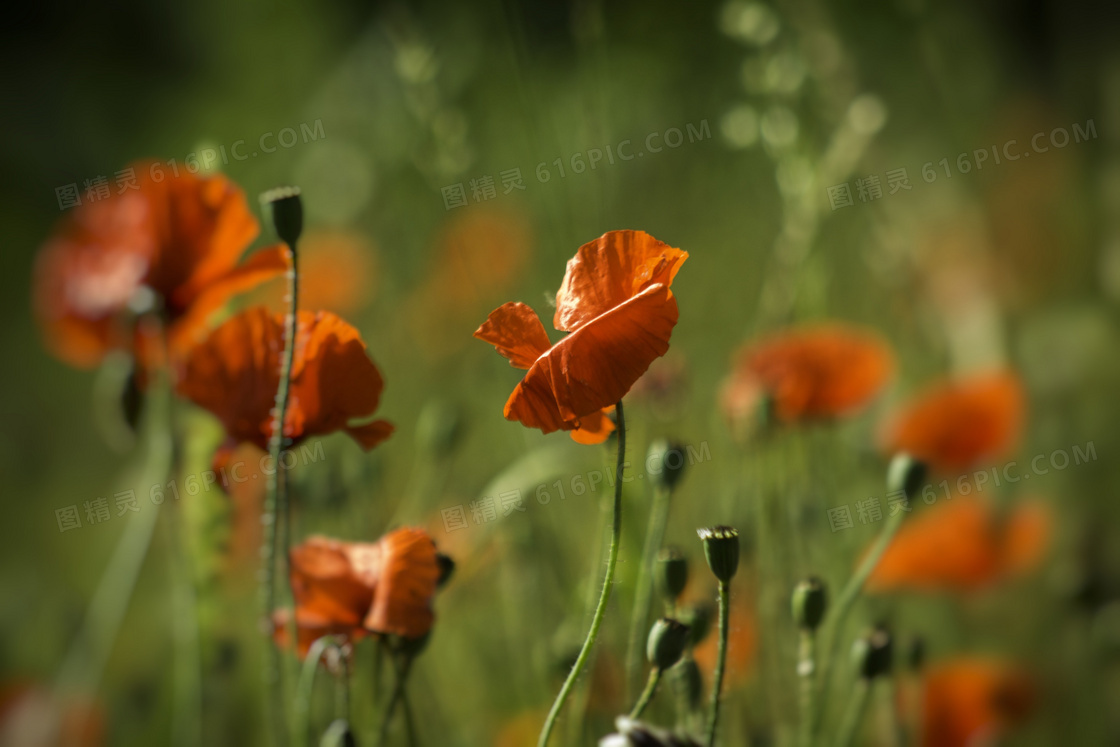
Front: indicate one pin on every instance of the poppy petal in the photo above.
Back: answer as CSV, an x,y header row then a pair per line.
x,y
406,584
517,333
610,270
369,435
594,428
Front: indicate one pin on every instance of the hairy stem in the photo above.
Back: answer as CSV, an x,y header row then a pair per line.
x,y
721,663
605,595
647,694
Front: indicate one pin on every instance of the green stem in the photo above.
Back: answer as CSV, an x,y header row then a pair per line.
x,y
306,687
717,684
391,706
604,596
854,715
647,694
276,510
844,603
806,669
655,535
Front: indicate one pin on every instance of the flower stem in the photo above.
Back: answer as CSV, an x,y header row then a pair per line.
x,y
306,687
396,697
721,663
806,669
647,694
604,596
854,714
276,510
655,534
844,604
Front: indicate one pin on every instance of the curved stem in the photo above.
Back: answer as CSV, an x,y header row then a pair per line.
x,y
391,706
643,591
604,596
844,604
721,663
854,715
276,510
306,687
647,694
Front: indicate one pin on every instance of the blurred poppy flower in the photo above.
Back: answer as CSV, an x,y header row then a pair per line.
x,y
521,730
963,545
31,717
617,305
956,424
972,701
356,588
235,372
179,236
807,374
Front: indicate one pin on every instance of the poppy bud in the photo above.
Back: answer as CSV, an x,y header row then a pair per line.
x,y
287,213
439,427
665,463
872,653
688,681
907,474
721,548
446,568
667,641
338,734
809,602
672,570
699,621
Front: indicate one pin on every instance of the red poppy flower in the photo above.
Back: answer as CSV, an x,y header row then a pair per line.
x,y
235,372
963,545
181,237
617,305
808,374
358,588
955,425
973,701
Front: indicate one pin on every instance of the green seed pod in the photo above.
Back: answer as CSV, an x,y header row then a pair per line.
x,y
667,641
906,474
665,463
672,572
872,654
699,621
287,213
721,548
809,603
338,734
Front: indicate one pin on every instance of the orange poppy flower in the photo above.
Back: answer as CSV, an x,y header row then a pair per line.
x,y
812,373
955,425
617,305
181,237
970,701
235,373
963,545
357,588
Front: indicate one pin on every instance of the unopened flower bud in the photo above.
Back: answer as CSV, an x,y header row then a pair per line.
x,y
665,463
672,571
906,474
872,654
699,620
809,602
287,213
338,734
667,641
721,548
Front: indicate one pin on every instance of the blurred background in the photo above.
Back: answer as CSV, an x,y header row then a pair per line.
x,y
452,157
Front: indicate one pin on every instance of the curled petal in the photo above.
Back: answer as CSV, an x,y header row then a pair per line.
x,y
516,331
